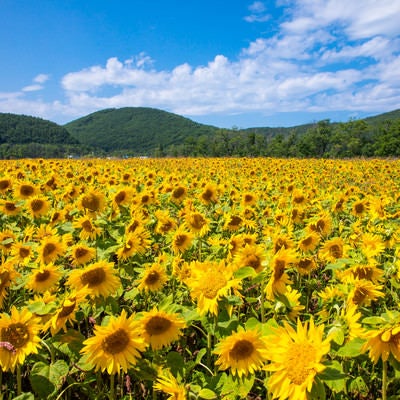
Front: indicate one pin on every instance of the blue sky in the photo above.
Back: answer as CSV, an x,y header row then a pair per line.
x,y
225,63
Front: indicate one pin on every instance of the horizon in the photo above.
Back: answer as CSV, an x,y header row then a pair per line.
x,y
248,64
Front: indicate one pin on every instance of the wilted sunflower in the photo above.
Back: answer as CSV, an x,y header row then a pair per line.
x,y
38,206
65,313
169,385
295,359
153,278
43,278
382,343
243,352
209,282
88,228
100,278
92,201
161,328
82,254
50,248
115,346
19,332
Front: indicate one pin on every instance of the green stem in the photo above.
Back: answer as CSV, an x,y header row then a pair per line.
x,y
112,387
384,380
19,380
262,305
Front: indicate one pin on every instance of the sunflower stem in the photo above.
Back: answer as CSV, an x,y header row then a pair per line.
x,y
19,380
112,387
384,380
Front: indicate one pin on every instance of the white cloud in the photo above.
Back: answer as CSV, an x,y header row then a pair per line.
x,y
257,12
41,78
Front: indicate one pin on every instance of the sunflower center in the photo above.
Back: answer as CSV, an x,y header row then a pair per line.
x,y
42,276
9,206
279,269
307,241
235,221
81,252
299,362
93,277
16,334
359,208
207,195
178,192
4,280
120,197
116,342
87,226
320,225
67,310
253,261
37,205
24,252
335,251
157,325
359,295
152,278
132,227
4,184
197,221
91,202
166,226
180,240
363,273
242,350
26,190
213,285
48,249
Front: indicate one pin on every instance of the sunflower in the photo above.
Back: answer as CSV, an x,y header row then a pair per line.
x,y
321,225
92,201
25,190
5,185
369,272
197,223
282,241
8,274
371,245
209,194
331,296
153,278
115,346
21,253
19,331
165,223
305,265
359,208
7,239
130,246
43,278
289,303
363,292
9,207
309,242
249,199
381,343
233,222
100,278
38,206
66,312
123,197
333,249
82,254
349,317
161,328
250,256
50,248
88,228
243,352
295,359
280,262
178,194
181,240
209,282
168,384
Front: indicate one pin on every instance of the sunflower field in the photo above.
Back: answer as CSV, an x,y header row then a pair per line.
x,y
230,278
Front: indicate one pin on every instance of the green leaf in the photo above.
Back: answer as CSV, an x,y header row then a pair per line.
x,y
245,272
318,390
337,334
358,386
69,343
352,348
25,396
46,379
207,394
234,388
200,355
373,320
333,376
175,363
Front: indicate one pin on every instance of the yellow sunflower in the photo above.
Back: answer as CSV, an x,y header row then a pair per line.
x,y
161,328
165,223
50,248
153,278
250,256
243,352
100,278
8,274
92,201
178,194
197,223
21,253
233,222
209,194
369,272
382,343
305,265
181,240
9,207
169,385
333,249
309,242
25,190
363,292
43,278
209,282
88,228
38,206
5,184
115,346
321,225
371,245
295,359
7,239
19,331
82,254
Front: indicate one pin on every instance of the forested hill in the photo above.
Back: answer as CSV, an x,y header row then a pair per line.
x,y
136,130
25,136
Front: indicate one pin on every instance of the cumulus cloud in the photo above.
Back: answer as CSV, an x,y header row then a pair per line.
x,y
257,12
326,55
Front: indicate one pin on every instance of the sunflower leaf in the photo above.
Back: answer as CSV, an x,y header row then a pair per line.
x,y
207,394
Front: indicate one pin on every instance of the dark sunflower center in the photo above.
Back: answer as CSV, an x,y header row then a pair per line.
x,y
197,221
242,350
178,192
235,221
9,206
4,184
279,269
93,277
42,276
16,334
152,278
116,342
87,226
120,197
23,252
66,310
307,241
37,205
253,261
26,190
180,240
359,208
81,252
48,249
157,325
207,195
335,251
91,202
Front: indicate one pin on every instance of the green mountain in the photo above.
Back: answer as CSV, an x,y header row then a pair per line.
x,y
26,136
135,130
